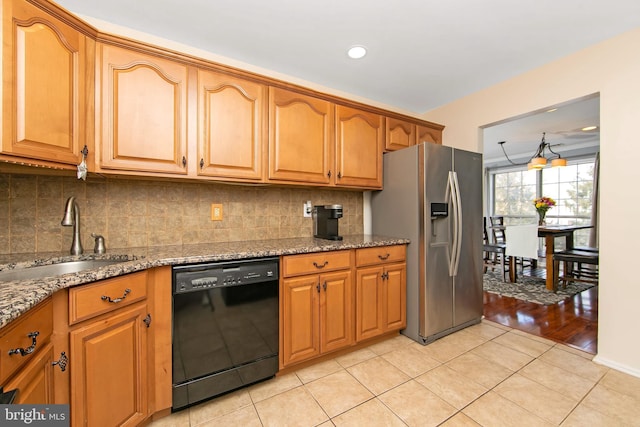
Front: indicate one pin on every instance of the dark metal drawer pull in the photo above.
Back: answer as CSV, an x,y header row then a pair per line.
x,y
62,362
108,299
316,265
147,320
384,257
28,350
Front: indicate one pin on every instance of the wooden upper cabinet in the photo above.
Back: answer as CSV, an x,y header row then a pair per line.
x,y
44,87
427,134
400,134
143,112
231,114
300,138
359,137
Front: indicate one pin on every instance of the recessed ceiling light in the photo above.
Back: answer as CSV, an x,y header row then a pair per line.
x,y
588,128
357,52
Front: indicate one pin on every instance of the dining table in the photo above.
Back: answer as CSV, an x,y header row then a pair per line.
x,y
550,233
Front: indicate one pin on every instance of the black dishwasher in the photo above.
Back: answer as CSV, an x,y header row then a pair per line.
x,y
225,327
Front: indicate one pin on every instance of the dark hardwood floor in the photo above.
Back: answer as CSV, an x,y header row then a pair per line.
x,y
573,322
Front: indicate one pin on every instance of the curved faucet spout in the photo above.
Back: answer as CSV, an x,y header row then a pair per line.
x,y
72,218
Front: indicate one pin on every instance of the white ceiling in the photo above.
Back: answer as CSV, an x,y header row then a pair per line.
x,y
421,53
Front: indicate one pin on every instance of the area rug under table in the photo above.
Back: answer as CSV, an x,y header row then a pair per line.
x,y
531,289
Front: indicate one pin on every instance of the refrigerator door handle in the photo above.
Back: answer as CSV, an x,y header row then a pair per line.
x,y
451,190
458,219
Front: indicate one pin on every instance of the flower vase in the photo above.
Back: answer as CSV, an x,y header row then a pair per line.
x,y
541,216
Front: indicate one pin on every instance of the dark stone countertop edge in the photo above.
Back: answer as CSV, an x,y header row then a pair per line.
x,y
17,297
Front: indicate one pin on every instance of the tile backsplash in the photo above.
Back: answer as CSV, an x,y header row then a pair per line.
x,y
137,213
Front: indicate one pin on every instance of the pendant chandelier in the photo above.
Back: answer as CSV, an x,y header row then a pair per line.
x,y
539,160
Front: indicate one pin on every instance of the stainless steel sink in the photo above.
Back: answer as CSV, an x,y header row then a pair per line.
x,y
50,270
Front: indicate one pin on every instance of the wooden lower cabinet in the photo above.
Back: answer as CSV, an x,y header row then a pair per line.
x,y
109,369
317,315
380,300
34,382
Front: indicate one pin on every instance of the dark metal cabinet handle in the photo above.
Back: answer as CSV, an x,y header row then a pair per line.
x,y
384,257
329,174
324,264
184,161
85,151
324,286
318,287
25,351
385,276
62,362
108,299
201,163
339,175
147,320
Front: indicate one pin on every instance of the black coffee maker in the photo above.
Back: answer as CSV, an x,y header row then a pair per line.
x,y
325,221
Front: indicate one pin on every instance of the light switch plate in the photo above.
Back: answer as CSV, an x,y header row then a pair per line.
x,y
216,212
307,208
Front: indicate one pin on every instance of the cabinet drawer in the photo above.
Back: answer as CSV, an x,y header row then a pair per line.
x,y
295,265
371,256
101,297
16,336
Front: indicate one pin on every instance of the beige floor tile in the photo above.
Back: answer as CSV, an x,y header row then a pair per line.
x,y
416,405
505,356
449,385
536,398
339,392
584,416
496,411
479,369
622,383
452,346
295,407
566,383
410,360
486,330
523,343
390,344
378,375
319,370
219,406
246,417
575,351
460,420
355,357
177,419
613,404
549,342
277,385
371,413
574,363
327,424
496,325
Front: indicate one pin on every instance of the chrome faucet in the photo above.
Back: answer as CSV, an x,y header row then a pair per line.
x,y
72,218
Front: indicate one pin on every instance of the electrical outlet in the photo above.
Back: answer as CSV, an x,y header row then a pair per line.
x,y
216,212
307,208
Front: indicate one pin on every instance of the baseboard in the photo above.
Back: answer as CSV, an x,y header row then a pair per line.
x,y
617,366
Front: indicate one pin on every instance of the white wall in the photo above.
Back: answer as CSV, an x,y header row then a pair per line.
x,y
611,68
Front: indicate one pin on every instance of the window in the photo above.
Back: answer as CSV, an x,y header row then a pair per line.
x,y
571,187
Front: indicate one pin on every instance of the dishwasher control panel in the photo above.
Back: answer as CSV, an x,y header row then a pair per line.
x,y
195,277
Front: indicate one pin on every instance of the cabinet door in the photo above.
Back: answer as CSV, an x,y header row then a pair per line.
x,y
400,134
108,364
359,137
427,134
230,126
395,293
369,303
44,87
35,380
336,311
143,112
299,138
300,320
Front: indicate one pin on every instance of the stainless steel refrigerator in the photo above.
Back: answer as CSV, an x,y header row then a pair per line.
x,y
433,195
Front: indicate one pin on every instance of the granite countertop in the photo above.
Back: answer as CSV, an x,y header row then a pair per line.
x,y
17,297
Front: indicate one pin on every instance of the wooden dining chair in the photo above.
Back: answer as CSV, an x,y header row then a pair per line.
x,y
577,266
493,253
